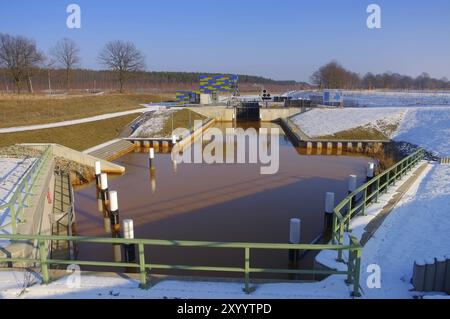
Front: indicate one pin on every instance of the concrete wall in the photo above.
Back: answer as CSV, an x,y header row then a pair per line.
x,y
37,215
221,113
82,158
268,115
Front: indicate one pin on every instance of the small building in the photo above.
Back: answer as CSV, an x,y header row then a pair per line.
x,y
188,97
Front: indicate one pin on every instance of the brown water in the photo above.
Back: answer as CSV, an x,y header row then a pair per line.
x,y
219,202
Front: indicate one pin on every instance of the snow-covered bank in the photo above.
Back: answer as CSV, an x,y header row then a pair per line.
x,y
428,127
418,228
321,122
155,124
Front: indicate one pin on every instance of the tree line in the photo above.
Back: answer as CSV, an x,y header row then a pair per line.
x,y
21,62
334,76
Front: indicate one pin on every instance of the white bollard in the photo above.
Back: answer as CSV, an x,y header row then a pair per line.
x,y
113,201
104,181
151,157
294,238
128,233
295,231
329,207
352,182
98,168
104,188
128,229
174,140
370,170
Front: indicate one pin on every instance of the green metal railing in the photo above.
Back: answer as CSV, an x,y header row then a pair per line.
x,y
21,196
358,201
352,272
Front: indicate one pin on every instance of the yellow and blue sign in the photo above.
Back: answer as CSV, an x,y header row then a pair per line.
x,y
218,83
187,97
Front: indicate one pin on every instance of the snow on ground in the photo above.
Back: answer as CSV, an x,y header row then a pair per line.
x,y
427,127
417,229
154,125
321,122
12,171
104,287
382,98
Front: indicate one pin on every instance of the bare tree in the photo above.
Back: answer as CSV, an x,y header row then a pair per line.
x,y
66,53
20,57
122,58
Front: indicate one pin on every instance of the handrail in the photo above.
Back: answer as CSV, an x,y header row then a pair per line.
x,y
352,271
20,198
357,201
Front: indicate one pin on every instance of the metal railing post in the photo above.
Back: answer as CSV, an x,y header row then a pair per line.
x,y
142,273
357,270
12,212
43,261
247,270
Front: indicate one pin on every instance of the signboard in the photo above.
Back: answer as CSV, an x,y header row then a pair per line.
x,y
210,84
333,97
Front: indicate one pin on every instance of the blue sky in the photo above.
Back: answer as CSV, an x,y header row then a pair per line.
x,y
281,39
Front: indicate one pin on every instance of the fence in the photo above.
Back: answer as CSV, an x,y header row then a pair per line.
x,y
445,161
352,272
21,196
357,202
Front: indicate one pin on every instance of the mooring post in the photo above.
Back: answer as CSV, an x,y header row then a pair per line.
x,y
329,206
174,140
349,147
165,146
294,238
352,182
151,158
98,172
329,148
339,148
104,194
370,170
115,224
128,233
319,148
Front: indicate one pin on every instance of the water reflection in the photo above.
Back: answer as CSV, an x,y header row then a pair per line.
x,y
219,202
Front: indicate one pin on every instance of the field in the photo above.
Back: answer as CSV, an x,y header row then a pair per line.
x,y
78,137
21,110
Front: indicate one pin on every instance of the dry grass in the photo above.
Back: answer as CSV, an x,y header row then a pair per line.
x,y
358,133
19,110
78,137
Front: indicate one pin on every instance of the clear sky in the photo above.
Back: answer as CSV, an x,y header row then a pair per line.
x,y
281,39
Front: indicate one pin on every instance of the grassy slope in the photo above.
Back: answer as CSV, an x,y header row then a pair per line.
x,y
78,137
18,110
